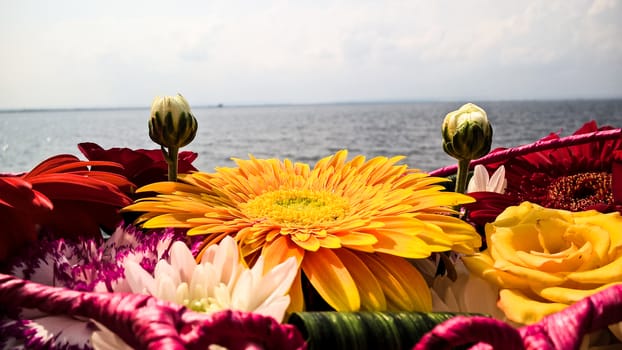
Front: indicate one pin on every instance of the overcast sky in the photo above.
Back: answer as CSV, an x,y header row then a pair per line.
x,y
113,53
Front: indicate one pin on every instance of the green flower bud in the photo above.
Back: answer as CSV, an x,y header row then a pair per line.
x,y
172,123
467,134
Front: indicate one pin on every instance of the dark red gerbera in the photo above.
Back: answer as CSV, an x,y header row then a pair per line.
x,y
579,172
141,167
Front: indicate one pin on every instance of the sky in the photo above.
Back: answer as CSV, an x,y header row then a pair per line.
x,y
80,54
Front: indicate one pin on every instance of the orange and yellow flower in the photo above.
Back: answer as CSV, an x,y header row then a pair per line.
x,y
351,225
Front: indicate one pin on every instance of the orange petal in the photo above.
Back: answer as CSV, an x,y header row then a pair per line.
x,y
297,301
279,250
169,187
331,279
403,285
370,290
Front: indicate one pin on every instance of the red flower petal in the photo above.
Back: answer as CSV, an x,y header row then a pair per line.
x,y
141,167
21,208
82,200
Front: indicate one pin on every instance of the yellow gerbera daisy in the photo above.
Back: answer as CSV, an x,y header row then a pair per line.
x,y
350,224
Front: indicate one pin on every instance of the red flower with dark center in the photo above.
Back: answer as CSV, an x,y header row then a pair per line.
x,y
141,167
579,172
60,196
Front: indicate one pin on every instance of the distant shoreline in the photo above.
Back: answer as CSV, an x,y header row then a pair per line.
x,y
293,104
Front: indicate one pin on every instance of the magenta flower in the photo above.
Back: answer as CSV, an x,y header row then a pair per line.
x,y
82,265
143,322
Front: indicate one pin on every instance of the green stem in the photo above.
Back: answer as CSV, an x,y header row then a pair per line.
x,y
461,177
171,160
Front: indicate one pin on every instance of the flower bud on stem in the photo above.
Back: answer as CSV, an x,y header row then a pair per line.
x,y
467,135
172,125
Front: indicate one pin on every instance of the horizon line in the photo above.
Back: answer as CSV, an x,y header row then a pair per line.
x,y
292,104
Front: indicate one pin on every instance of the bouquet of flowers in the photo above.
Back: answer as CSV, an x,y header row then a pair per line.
x,y
513,248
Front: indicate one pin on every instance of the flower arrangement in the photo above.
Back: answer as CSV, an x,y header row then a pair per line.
x,y
513,248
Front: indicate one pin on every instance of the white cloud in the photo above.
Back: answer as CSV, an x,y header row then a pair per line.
x,y
122,53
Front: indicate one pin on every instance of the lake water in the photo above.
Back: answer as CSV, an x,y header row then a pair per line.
x,y
299,132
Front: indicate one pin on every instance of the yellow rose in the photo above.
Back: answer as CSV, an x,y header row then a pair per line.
x,y
546,259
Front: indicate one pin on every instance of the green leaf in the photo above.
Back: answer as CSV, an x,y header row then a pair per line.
x,y
365,330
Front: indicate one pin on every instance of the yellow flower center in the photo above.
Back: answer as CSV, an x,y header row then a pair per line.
x,y
297,207
579,192
199,305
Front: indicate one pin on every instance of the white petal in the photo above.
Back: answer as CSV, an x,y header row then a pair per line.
x,y
243,292
498,182
61,331
182,260
275,284
479,180
281,277
163,268
139,280
182,293
198,286
209,277
276,309
167,288
222,297
227,260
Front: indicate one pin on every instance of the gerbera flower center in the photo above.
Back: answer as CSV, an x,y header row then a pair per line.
x,y
297,207
579,192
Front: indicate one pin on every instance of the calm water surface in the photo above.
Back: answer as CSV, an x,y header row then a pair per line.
x,y
301,133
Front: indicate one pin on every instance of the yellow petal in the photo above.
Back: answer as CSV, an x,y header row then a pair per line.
x,y
330,242
155,206
611,272
482,265
403,245
370,291
352,239
504,242
569,260
596,236
168,220
610,222
569,295
331,279
309,242
532,276
522,309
